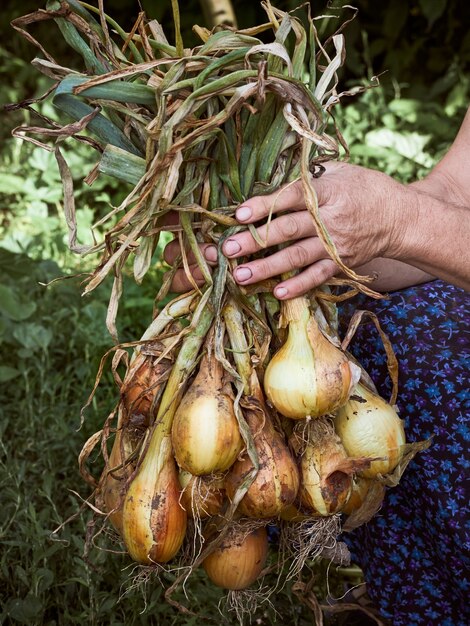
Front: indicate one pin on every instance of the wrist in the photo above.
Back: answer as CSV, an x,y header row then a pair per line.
x,y
405,233
440,184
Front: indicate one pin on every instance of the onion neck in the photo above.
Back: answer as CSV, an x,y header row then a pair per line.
x,y
210,374
294,310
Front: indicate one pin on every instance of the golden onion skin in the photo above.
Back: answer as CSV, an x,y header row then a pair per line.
x,y
153,520
239,560
371,428
114,483
205,432
139,392
326,486
276,484
308,376
360,489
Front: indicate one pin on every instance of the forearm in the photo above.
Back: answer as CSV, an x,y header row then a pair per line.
x,y
392,275
436,238
448,186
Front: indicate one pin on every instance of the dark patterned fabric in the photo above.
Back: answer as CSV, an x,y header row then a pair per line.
x,y
415,552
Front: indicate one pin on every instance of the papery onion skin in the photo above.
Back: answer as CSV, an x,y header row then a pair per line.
x,y
239,560
324,493
154,522
371,429
140,390
205,433
277,482
308,376
360,488
114,483
326,469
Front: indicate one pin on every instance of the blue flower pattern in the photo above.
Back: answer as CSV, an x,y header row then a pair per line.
x,y
415,552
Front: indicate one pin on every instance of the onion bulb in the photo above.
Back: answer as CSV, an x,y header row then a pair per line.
x,y
326,486
115,475
240,558
141,387
294,513
205,430
370,427
326,470
366,499
201,496
308,376
277,481
154,522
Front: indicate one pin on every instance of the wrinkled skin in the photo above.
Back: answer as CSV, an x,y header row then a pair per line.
x,y
406,234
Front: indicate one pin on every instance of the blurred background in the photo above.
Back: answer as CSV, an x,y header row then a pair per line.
x,y
52,339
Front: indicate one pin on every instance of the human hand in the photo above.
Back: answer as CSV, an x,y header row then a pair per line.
x,y
362,209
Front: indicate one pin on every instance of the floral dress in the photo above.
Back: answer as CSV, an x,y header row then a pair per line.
x,y
415,552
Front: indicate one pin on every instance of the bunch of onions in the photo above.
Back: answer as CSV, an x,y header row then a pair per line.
x,y
370,427
276,483
153,520
309,376
239,559
197,132
201,496
205,434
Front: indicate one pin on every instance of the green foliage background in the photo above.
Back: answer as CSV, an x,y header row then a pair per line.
x,y
52,338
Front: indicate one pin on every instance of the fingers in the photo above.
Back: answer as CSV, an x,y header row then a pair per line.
x,y
310,278
299,254
290,197
296,226
285,228
172,252
181,283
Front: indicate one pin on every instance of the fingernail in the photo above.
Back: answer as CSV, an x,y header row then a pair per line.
x,y
231,247
243,213
280,292
243,273
211,253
